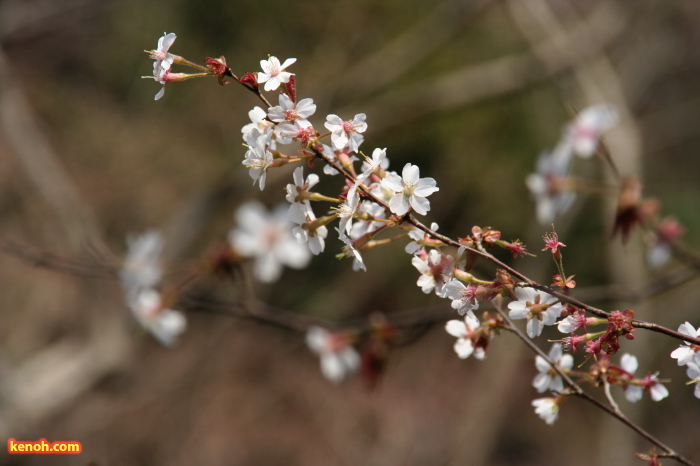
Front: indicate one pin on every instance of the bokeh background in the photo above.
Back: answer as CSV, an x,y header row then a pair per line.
x,y
472,91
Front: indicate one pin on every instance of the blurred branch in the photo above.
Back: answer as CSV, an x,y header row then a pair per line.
x,y
499,76
654,287
34,153
403,53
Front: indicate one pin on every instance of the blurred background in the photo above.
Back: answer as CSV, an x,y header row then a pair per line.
x,y
472,91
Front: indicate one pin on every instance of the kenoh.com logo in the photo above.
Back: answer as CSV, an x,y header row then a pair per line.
x,y
43,447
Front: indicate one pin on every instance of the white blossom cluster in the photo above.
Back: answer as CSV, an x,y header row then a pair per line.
x,y
372,198
550,185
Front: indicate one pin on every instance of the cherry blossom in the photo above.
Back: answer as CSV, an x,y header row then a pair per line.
x,y
259,125
339,359
142,268
635,388
549,187
588,126
305,234
163,60
267,238
346,133
349,250
548,378
463,297
273,74
687,353
436,270
467,332
347,209
361,227
292,112
411,190
693,373
295,191
378,161
547,409
258,160
165,324
538,307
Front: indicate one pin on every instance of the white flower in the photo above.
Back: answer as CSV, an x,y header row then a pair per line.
x,y
436,270
338,358
693,373
349,250
347,209
361,227
165,324
300,205
417,236
568,325
463,297
547,409
273,74
370,165
292,112
163,60
537,307
629,363
466,333
548,378
142,268
258,126
685,354
346,133
258,160
410,189
633,391
314,238
548,185
588,126
267,238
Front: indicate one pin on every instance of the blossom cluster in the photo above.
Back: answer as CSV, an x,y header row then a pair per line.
x,y
372,198
551,185
140,274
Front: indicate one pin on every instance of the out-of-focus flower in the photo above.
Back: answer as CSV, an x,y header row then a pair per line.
x,y
346,133
667,232
548,378
549,185
538,307
267,238
411,190
339,359
273,73
165,324
142,268
588,126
